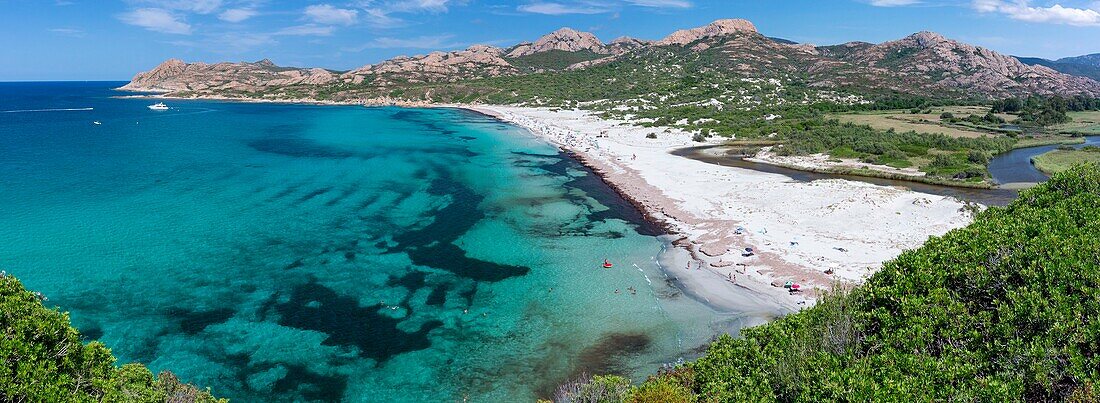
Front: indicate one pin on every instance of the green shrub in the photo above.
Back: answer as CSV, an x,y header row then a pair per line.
x,y
1004,309
663,389
47,361
978,157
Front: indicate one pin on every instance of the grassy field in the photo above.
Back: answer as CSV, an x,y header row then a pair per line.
x,y
1087,123
1061,160
1048,140
904,121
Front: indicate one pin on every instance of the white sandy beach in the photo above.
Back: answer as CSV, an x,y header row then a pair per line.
x,y
797,230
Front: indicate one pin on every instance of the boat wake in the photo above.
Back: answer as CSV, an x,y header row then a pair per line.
x,y
48,110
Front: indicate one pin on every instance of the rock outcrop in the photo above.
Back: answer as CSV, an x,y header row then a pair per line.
x,y
564,39
714,29
175,75
475,61
625,44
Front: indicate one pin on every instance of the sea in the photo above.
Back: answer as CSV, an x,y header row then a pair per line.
x,y
278,252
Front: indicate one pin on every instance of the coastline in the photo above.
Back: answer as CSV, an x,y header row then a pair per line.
x,y
791,241
818,251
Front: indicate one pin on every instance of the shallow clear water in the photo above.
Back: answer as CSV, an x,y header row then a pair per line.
x,y
288,252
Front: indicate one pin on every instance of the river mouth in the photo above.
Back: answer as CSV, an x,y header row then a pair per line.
x,y
714,155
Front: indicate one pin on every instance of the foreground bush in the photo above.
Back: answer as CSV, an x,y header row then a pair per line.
x,y
44,360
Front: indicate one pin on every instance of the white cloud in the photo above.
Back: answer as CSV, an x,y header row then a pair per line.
x,y
73,32
1022,10
156,19
437,6
661,3
421,42
382,13
562,9
565,7
237,14
307,30
194,6
378,18
893,3
327,14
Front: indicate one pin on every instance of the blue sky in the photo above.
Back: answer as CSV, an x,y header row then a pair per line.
x,y
113,39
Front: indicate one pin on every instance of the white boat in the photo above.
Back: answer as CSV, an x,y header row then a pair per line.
x,y
96,122
159,106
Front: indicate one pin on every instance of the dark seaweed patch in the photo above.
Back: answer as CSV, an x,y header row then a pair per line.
x,y
310,385
468,294
194,322
296,264
604,357
312,194
594,187
89,333
412,281
313,306
433,245
297,147
438,297
348,191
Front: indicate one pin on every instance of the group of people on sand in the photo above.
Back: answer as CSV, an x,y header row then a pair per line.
x,y
729,276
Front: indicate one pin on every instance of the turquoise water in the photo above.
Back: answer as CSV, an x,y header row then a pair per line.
x,y
295,253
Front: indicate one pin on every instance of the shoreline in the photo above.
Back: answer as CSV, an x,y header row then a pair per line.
x,y
721,277
695,282
612,150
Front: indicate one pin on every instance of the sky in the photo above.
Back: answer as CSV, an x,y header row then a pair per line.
x,y
114,39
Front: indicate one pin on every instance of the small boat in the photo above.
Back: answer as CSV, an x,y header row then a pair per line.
x,y
96,122
159,106
607,264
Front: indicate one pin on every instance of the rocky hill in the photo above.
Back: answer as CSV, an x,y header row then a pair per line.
x,y
715,29
565,39
923,64
473,62
176,76
937,63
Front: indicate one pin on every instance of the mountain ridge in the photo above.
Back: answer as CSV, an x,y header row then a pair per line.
x,y
921,64
1083,66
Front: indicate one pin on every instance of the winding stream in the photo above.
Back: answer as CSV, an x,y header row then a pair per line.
x,y
1015,166
1011,168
